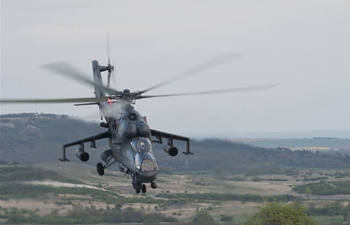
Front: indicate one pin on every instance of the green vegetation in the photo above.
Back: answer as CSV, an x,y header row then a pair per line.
x,y
203,216
87,215
274,213
325,188
308,192
205,197
226,218
277,179
30,138
314,178
336,209
331,210
26,173
13,185
341,174
17,190
15,216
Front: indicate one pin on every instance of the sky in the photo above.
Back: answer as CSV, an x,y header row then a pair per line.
x,y
301,44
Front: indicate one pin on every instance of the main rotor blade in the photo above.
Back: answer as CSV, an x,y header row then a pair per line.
x,y
231,90
207,65
62,100
69,71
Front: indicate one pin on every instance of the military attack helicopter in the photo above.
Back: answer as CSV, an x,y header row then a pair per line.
x,y
129,135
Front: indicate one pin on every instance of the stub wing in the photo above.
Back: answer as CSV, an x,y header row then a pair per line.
x,y
159,135
81,143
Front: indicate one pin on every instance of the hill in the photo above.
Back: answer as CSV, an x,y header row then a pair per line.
x,y
30,138
317,143
51,192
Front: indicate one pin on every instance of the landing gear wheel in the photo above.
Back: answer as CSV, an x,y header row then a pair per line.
x,y
144,188
154,185
100,169
137,191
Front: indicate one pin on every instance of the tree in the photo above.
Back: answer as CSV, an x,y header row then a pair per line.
x,y
308,192
331,213
274,213
226,218
203,216
346,212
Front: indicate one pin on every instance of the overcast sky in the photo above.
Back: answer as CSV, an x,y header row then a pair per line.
x,y
302,44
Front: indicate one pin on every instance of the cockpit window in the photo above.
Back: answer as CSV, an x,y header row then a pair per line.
x,y
144,158
141,145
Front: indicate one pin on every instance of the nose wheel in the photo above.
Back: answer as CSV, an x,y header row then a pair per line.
x,y
154,185
143,188
100,169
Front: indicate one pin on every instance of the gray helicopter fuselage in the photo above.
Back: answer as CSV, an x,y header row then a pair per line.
x,y
131,143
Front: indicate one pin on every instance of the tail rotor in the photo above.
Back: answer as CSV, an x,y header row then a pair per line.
x,y
110,68
111,73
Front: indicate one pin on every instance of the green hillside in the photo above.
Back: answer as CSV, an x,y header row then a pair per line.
x,y
30,138
224,179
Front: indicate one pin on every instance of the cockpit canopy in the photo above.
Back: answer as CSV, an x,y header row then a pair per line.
x,y
144,158
141,145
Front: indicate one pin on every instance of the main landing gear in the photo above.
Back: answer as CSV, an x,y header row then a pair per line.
x,y
100,169
154,185
142,188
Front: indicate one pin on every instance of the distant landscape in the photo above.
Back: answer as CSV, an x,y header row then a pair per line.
x,y
223,180
316,143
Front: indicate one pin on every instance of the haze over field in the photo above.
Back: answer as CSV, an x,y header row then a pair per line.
x,y
301,44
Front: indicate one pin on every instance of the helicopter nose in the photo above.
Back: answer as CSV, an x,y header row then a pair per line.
x,y
146,176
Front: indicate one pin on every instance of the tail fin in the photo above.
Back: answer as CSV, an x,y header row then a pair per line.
x,y
97,79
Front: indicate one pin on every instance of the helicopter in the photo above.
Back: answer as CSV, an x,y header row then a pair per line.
x,y
129,136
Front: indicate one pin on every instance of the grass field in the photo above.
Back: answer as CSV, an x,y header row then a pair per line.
x,y
90,189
